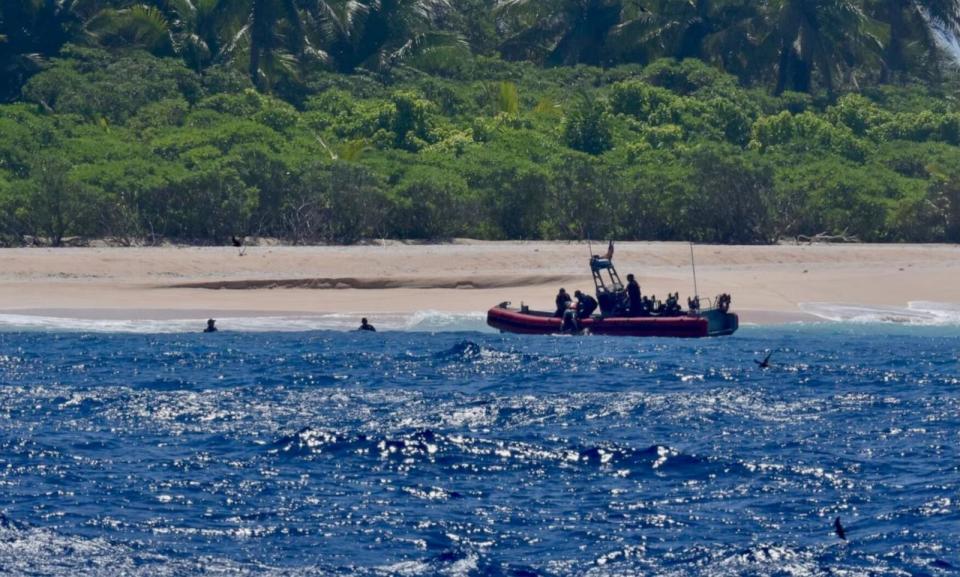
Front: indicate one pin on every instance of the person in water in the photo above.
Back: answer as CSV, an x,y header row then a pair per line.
x,y
634,304
211,326
586,304
366,326
563,302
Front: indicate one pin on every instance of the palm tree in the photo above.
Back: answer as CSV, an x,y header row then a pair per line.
x,y
718,31
33,30
826,36
138,26
669,28
278,36
194,29
566,32
382,33
913,23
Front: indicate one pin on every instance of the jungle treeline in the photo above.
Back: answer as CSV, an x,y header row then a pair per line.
x,y
711,121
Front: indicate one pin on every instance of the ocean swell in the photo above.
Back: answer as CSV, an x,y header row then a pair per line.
x,y
420,321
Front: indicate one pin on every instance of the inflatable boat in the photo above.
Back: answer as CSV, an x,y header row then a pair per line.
x,y
648,318
706,323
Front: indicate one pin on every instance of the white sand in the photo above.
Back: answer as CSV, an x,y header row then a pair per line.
x,y
768,283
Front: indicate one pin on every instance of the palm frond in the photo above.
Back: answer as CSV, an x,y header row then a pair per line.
x,y
241,35
141,26
421,43
351,150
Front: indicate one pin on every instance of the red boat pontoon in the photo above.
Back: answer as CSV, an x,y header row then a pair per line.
x,y
612,320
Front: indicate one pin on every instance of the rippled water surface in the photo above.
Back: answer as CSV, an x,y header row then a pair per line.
x,y
476,454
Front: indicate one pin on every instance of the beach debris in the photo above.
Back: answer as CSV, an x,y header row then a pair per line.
x,y
844,236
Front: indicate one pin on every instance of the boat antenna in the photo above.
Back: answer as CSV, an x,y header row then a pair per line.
x,y
693,265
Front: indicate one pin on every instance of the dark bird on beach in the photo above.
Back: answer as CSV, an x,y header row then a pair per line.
x,y
765,363
841,532
238,243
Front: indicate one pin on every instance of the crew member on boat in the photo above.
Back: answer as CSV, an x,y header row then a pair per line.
x,y
563,302
634,304
586,304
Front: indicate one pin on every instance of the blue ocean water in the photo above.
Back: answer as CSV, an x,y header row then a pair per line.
x,y
399,453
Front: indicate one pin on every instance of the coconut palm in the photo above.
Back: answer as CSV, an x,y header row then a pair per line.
x,y
33,30
188,28
718,31
567,32
194,29
138,26
824,36
915,28
382,33
278,36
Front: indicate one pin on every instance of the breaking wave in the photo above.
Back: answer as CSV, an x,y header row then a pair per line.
x,y
456,449
921,313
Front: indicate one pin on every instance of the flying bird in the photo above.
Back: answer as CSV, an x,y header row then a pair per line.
x,y
838,527
765,363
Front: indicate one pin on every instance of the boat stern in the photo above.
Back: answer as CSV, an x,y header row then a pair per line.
x,y
720,323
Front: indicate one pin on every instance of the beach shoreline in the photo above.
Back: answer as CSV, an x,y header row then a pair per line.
x,y
769,284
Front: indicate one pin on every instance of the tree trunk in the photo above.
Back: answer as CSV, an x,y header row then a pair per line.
x,y
893,55
262,21
783,71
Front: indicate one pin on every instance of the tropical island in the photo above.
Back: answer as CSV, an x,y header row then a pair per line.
x,y
332,122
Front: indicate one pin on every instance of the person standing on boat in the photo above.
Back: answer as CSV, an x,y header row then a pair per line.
x,y
563,302
586,304
634,306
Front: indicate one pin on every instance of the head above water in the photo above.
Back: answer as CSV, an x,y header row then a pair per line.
x,y
363,321
211,322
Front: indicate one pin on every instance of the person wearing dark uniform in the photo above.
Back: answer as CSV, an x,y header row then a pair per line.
x,y
586,304
634,306
365,326
211,326
563,302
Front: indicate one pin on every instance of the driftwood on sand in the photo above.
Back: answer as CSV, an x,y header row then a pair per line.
x,y
824,237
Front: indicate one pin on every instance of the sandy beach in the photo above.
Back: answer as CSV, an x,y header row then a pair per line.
x,y
768,283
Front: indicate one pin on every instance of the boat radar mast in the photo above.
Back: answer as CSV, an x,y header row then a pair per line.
x,y
611,295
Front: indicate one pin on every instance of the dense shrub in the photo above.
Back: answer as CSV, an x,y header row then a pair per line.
x,y
139,148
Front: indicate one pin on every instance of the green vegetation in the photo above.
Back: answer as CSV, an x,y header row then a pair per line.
x,y
729,121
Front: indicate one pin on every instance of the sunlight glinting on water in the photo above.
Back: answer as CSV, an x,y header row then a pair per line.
x,y
288,454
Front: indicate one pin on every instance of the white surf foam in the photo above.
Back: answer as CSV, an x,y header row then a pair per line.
x,y
421,321
923,313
